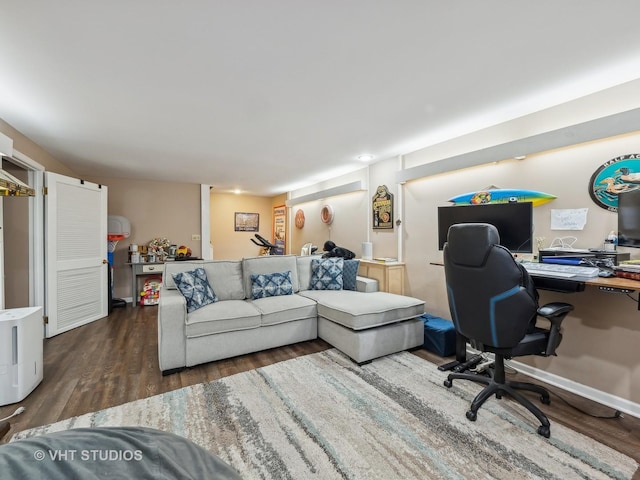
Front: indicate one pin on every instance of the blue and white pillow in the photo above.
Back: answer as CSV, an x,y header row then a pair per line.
x,y
195,288
349,274
271,285
326,274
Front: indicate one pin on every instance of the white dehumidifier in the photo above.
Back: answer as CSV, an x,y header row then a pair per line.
x,y
21,341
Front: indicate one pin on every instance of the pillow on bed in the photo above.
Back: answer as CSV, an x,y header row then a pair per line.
x,y
271,285
327,274
195,288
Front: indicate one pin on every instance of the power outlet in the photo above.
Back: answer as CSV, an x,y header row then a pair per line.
x,y
195,236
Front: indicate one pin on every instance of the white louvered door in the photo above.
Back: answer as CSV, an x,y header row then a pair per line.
x,y
75,253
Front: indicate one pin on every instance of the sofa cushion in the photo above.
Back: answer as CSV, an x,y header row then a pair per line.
x,y
195,288
357,310
349,274
268,264
220,317
271,285
326,274
285,308
304,270
225,276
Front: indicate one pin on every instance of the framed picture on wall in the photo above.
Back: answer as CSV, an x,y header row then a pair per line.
x,y
279,229
246,222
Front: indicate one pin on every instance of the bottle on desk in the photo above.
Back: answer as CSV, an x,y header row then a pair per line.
x,y
610,242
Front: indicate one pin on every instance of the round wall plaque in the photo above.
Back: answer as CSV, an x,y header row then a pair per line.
x,y
299,218
614,177
326,214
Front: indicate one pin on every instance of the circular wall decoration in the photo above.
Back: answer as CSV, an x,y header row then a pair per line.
x,y
326,214
616,176
299,218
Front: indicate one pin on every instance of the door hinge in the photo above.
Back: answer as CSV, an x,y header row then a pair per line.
x,y
45,191
46,319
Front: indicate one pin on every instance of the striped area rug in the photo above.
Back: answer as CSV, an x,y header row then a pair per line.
x,y
321,416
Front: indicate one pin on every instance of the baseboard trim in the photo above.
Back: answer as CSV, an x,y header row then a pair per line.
x,y
617,403
604,398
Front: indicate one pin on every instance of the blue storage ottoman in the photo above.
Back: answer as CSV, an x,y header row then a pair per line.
x,y
439,335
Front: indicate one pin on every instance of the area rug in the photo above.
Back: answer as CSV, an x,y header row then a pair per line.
x,y
321,416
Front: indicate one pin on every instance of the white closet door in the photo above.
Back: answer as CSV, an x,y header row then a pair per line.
x,y
75,253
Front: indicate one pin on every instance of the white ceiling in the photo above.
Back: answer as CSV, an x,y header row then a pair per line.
x,y
269,96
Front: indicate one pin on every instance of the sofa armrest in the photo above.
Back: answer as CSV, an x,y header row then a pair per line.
x,y
367,285
172,319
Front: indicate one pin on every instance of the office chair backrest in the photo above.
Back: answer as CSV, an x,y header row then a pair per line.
x,y
491,298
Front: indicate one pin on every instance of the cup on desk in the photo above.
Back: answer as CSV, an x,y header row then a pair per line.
x,y
609,246
135,257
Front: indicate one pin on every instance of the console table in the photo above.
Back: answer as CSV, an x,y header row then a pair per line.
x,y
142,270
390,275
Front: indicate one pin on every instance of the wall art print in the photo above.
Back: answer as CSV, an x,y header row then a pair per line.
x,y
246,222
613,178
279,229
382,206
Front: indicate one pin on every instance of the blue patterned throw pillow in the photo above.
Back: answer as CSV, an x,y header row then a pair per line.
x,y
195,288
349,274
326,274
271,285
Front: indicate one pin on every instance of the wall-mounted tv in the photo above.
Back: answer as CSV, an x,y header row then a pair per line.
x,y
514,222
629,219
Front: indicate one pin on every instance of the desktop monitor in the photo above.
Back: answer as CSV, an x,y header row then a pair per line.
x,y
514,222
629,219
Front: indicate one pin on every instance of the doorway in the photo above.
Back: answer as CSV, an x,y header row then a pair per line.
x,y
15,227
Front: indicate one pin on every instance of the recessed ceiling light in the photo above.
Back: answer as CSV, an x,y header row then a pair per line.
x,y
365,157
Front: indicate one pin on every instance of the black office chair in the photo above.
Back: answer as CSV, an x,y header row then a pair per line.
x,y
494,305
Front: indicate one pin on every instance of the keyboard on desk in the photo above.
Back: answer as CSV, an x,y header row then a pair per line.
x,y
563,271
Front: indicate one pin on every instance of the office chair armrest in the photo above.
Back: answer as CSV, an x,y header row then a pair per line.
x,y
555,313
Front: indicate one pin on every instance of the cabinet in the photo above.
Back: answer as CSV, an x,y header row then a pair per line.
x,y
390,275
142,270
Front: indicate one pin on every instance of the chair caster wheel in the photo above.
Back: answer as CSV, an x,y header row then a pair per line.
x,y
544,431
471,415
545,400
448,383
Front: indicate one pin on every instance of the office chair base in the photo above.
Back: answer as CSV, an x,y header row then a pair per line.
x,y
498,389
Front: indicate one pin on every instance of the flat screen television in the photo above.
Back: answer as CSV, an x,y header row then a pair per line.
x,y
514,222
629,219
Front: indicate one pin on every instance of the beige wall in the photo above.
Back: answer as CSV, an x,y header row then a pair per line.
x,y
598,349
154,209
229,244
599,335
34,152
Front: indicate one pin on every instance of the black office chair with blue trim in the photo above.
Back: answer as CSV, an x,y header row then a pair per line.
x,y
494,305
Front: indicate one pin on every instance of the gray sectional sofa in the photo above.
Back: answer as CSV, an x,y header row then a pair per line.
x,y
363,323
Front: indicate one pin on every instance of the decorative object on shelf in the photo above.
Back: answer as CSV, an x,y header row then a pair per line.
x,y
615,177
246,222
327,214
299,218
159,248
382,206
183,252
502,195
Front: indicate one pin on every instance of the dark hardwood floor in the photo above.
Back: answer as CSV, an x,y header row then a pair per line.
x,y
115,360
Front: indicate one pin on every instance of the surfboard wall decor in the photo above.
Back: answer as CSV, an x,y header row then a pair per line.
x,y
502,195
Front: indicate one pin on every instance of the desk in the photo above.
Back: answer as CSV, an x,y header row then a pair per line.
x,y
577,284
566,285
142,270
